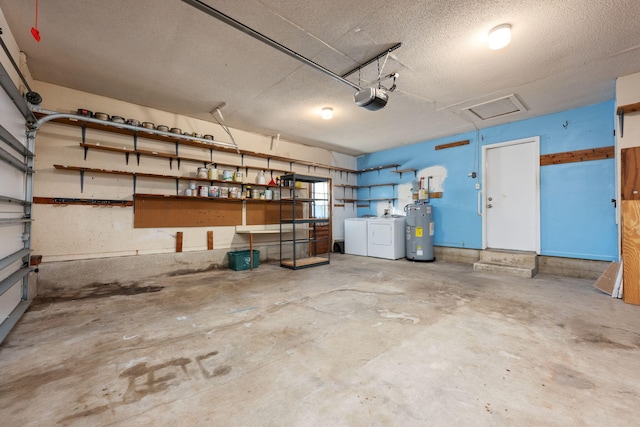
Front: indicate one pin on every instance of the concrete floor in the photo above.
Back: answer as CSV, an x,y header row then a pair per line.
x,y
362,342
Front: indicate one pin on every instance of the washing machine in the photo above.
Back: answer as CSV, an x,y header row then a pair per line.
x,y
355,236
386,237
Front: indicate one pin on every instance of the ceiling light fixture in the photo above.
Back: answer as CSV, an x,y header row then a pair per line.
x,y
327,113
500,36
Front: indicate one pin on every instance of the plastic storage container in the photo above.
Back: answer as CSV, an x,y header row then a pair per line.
x,y
240,260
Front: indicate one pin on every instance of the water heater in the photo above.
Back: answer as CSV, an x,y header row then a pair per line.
x,y
419,232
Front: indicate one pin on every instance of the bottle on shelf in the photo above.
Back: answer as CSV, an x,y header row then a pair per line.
x,y
261,179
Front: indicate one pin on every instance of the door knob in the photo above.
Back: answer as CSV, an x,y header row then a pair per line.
x,y
490,199
489,206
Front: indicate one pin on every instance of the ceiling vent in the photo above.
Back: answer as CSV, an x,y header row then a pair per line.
x,y
496,108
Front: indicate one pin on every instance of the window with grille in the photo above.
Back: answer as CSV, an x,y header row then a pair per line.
x,y
320,190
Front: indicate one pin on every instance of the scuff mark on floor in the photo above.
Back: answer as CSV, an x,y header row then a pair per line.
x,y
388,314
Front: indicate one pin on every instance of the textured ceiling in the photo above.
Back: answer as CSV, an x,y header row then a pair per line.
x,y
168,55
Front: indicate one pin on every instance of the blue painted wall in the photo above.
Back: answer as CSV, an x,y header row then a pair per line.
x,y
577,218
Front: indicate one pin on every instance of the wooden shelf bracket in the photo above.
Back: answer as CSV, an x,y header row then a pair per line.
x,y
626,109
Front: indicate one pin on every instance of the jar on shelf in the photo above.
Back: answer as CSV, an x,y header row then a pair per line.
x,y
212,173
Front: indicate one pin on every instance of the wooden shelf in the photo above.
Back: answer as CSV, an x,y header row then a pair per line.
x,y
629,108
452,144
304,220
598,153
88,202
401,171
304,262
173,196
171,157
136,175
378,168
178,139
391,184
626,109
301,199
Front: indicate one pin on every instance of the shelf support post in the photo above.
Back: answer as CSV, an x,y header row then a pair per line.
x,y
135,178
82,181
135,140
86,150
126,158
177,189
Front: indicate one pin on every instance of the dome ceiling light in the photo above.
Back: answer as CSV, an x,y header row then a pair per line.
x,y
500,36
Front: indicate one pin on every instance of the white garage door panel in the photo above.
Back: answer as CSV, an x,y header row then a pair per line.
x,y
10,269
12,120
11,181
14,207
10,300
11,241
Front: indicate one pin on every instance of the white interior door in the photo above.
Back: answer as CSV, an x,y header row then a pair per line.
x,y
511,208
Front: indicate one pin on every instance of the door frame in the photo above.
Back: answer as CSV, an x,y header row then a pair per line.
x,y
536,141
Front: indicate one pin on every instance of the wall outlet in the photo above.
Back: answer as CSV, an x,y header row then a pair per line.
x,y
477,185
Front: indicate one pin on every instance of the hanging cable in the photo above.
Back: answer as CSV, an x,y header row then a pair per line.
x,y
383,65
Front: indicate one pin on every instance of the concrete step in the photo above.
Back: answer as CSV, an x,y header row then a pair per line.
x,y
504,269
512,258
514,263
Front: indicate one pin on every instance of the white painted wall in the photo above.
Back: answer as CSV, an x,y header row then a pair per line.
x,y
84,232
